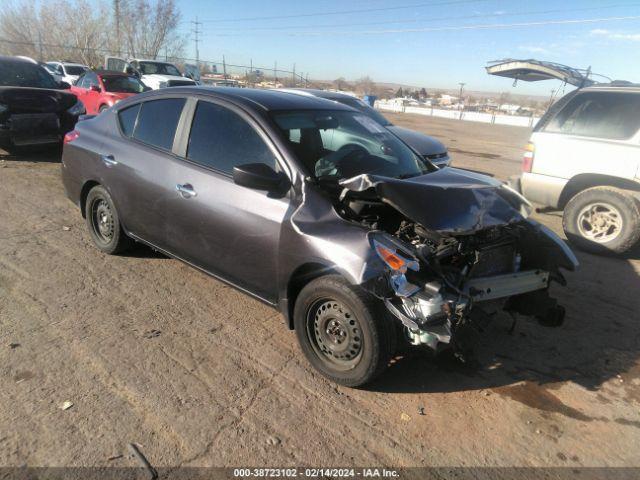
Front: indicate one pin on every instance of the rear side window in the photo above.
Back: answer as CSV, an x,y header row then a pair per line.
x,y
221,139
608,115
157,122
128,119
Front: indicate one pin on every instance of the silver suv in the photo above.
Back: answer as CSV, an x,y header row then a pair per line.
x,y
584,158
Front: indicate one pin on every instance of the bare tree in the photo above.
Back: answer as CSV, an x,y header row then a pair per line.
x,y
341,84
81,30
151,29
53,30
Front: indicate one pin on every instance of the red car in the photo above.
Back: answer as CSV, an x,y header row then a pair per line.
x,y
99,90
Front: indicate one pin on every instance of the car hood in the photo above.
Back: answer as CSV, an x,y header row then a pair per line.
x,y
447,201
156,77
36,100
421,143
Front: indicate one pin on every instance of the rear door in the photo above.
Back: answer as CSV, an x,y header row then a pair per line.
x,y
137,166
225,229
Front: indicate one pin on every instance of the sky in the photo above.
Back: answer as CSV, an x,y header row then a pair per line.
x,y
425,43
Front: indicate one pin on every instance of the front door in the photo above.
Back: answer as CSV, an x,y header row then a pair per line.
x,y
228,230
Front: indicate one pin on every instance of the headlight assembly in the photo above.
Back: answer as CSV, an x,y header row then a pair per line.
x,y
398,261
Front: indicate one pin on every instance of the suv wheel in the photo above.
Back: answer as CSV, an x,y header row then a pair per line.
x,y
343,331
602,219
104,223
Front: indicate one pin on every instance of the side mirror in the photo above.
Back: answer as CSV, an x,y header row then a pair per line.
x,y
95,88
65,86
258,176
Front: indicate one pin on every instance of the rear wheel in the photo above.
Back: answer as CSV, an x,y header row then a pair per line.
x,y
343,331
103,108
602,219
104,223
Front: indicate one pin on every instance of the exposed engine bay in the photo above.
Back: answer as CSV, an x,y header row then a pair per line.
x,y
439,281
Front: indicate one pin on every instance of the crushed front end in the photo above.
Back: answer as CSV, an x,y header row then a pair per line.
x,y
442,283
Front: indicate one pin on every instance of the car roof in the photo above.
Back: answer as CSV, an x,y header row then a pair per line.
x,y
17,59
111,73
616,86
268,100
316,92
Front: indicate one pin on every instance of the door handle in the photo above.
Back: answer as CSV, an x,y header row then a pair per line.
x,y
108,160
186,190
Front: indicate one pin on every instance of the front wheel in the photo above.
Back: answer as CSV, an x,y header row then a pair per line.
x,y
343,331
602,219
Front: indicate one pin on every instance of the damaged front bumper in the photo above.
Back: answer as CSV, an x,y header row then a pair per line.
x,y
431,316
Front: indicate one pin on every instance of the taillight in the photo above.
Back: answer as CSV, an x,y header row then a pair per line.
x,y
527,159
71,136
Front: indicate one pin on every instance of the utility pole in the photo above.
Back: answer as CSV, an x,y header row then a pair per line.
x,y
41,57
224,67
293,75
275,73
460,96
116,14
196,31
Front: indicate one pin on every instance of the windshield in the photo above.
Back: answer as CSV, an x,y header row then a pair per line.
x,y
364,108
344,144
74,69
122,84
149,68
23,74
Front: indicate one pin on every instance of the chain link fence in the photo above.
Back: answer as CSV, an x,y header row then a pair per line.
x,y
211,71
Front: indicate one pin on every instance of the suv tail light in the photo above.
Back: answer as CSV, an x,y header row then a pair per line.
x,y
527,159
71,136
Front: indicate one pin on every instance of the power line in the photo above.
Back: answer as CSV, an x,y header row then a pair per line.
x,y
493,26
345,12
437,19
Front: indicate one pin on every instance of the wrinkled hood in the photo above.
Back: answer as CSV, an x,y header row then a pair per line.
x,y
447,201
36,100
421,143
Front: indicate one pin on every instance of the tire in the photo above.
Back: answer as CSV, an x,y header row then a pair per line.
x,y
358,337
103,222
602,220
102,108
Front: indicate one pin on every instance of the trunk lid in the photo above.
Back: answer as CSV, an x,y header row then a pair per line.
x,y
36,100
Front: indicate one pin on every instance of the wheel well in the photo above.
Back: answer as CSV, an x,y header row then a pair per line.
x,y
86,188
588,180
297,281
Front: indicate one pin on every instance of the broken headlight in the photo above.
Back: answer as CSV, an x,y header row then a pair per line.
x,y
399,261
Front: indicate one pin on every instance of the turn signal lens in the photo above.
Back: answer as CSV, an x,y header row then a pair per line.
x,y
71,136
391,258
527,159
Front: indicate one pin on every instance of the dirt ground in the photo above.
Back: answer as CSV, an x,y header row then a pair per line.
x,y
151,351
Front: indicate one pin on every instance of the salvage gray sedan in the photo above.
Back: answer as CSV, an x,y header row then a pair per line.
x,y
319,211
